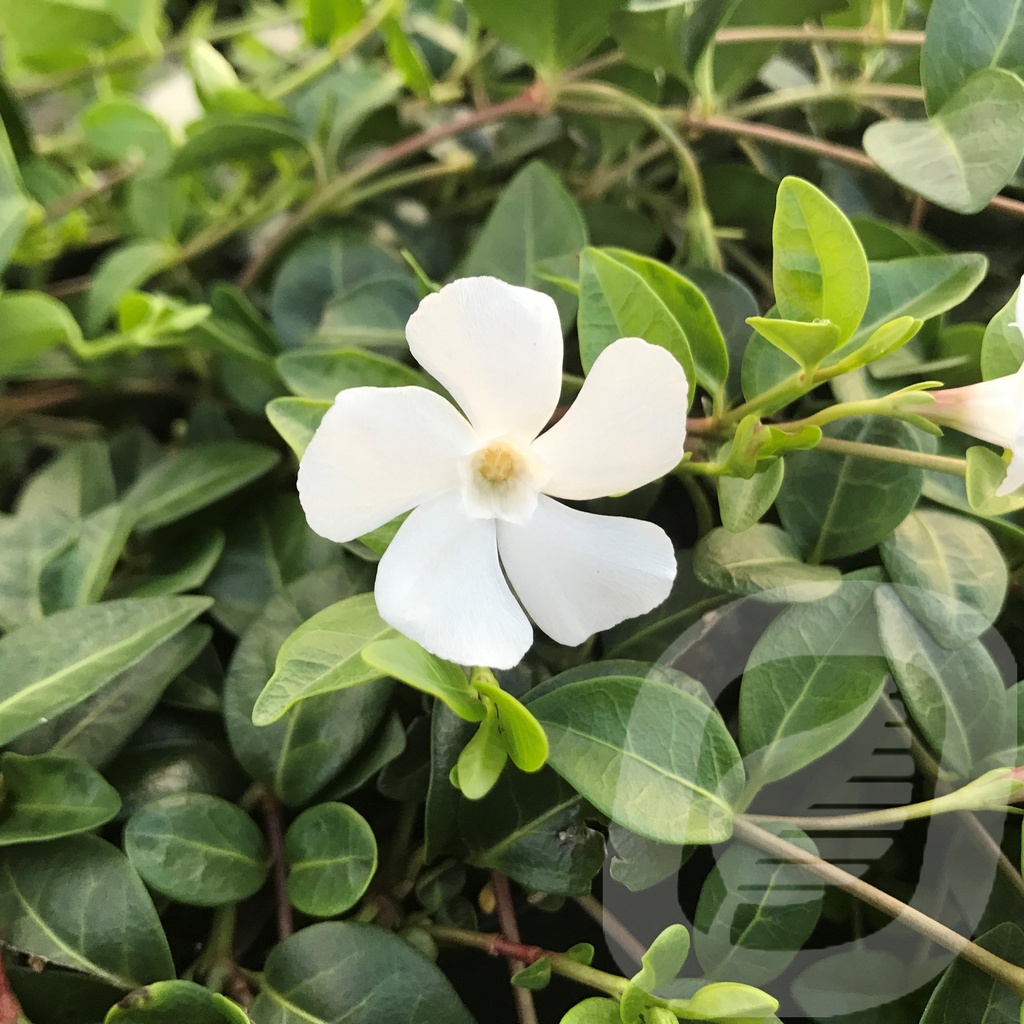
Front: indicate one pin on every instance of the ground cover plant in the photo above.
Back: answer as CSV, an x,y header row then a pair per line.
x,y
511,512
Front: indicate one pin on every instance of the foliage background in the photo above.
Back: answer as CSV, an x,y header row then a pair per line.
x,y
182,301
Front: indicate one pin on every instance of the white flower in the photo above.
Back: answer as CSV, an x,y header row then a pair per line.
x,y
174,101
992,411
482,485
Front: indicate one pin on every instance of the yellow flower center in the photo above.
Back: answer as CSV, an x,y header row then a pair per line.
x,y
498,462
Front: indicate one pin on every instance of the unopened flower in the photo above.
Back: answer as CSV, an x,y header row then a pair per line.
x,y
482,482
992,411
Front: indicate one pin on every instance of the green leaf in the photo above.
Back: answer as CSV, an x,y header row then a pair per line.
x,y
551,34
124,270
356,972
32,323
640,863
296,420
728,1000
965,992
14,217
755,911
965,36
687,304
534,220
962,156
482,759
56,663
194,477
522,734
173,1002
324,654
197,849
762,559
536,976
120,129
304,750
221,137
29,544
332,857
77,482
616,302
82,917
96,729
659,967
986,472
322,373
596,1010
534,829
819,269
653,758
961,724
48,797
742,503
1002,347
334,290
949,572
812,678
404,659
807,344
834,505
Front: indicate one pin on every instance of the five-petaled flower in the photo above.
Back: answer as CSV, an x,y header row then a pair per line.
x,y
482,486
992,411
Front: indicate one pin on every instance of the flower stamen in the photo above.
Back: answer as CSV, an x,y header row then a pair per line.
x,y
498,462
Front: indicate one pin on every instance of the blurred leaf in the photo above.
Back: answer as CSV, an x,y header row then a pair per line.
x,y
194,477
296,420
221,137
962,156
1002,348
123,270
534,220
332,857
551,34
47,797
32,323
120,129
197,849
322,373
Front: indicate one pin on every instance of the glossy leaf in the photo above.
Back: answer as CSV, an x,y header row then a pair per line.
x,y
97,919
171,1002
52,665
48,797
332,857
323,655
355,971
653,758
197,849
811,679
520,731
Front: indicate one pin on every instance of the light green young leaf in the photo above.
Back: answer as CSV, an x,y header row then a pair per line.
x,y
986,472
32,323
296,420
659,967
482,758
522,734
125,269
616,302
168,1002
819,268
324,654
742,503
806,343
1002,347
405,660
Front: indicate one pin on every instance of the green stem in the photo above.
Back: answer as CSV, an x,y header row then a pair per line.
x,y
853,92
494,945
902,456
702,235
816,34
996,967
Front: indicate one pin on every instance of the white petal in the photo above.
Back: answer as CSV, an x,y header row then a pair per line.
x,y
577,573
626,427
992,410
441,584
1014,476
377,453
497,348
